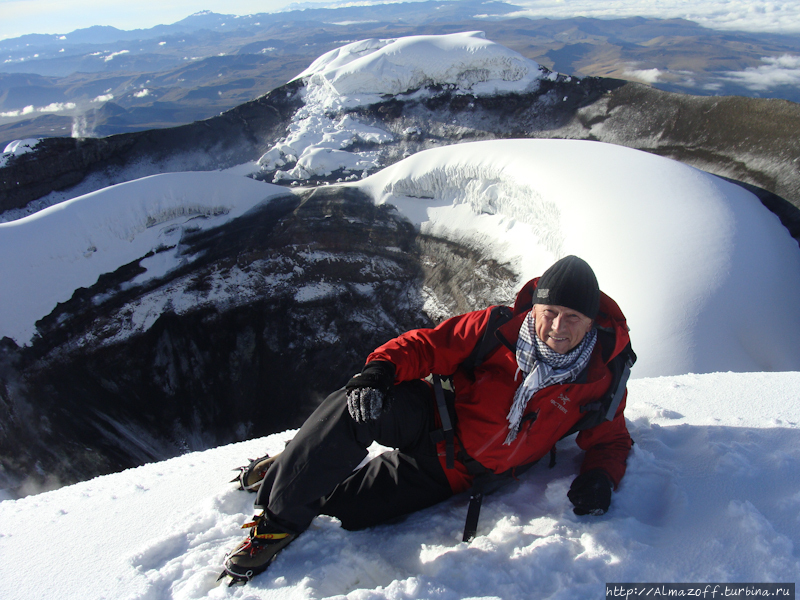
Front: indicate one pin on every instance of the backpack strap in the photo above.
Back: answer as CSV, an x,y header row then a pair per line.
x,y
605,408
446,431
498,316
484,482
624,361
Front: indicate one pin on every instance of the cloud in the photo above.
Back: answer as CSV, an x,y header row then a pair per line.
x,y
644,75
55,107
113,55
776,16
775,72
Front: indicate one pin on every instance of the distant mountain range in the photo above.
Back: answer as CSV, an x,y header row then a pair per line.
x,y
102,81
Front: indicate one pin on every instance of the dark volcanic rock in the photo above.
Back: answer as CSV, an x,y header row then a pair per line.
x,y
235,137
272,312
750,140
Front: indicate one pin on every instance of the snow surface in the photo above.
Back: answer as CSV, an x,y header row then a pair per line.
x,y
707,277
712,494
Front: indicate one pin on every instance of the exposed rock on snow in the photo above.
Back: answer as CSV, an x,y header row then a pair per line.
x,y
224,334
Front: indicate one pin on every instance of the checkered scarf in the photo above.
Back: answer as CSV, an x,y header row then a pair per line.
x,y
543,366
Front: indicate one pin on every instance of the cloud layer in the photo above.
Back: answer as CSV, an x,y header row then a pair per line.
x,y
743,15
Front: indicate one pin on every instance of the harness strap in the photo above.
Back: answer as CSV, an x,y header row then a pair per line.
x,y
484,482
473,514
481,479
447,424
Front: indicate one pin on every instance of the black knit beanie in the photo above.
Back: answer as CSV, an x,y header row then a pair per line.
x,y
570,282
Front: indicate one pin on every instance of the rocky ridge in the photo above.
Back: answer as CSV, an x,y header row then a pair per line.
x,y
283,305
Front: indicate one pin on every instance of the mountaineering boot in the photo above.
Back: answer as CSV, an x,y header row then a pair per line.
x,y
251,476
256,552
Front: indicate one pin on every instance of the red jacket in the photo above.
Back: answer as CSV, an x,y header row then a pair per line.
x,y
481,405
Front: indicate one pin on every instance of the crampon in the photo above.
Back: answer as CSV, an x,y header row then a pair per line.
x,y
256,552
251,475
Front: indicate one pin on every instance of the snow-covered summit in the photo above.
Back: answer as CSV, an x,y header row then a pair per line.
x,y
364,72
393,66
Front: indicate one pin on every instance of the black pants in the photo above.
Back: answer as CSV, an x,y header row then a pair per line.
x,y
316,473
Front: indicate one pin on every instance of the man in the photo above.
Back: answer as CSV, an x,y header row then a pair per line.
x,y
534,387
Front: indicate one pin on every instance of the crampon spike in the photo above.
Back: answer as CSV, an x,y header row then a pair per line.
x,y
234,579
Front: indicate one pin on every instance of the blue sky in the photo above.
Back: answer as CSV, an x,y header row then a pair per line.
x,y
18,17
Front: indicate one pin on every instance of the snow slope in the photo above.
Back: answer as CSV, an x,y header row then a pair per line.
x,y
712,494
707,277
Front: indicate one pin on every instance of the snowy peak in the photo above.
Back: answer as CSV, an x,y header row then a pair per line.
x,y
330,134
466,60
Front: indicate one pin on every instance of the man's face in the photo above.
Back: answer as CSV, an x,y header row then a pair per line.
x,y
559,327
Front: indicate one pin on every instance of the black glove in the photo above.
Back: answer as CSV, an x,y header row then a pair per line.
x,y
591,493
368,392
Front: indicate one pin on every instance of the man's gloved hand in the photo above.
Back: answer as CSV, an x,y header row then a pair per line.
x,y
591,493
368,392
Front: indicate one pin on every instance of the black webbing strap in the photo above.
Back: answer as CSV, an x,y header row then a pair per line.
x,y
473,513
447,425
498,316
484,482
621,386
481,477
